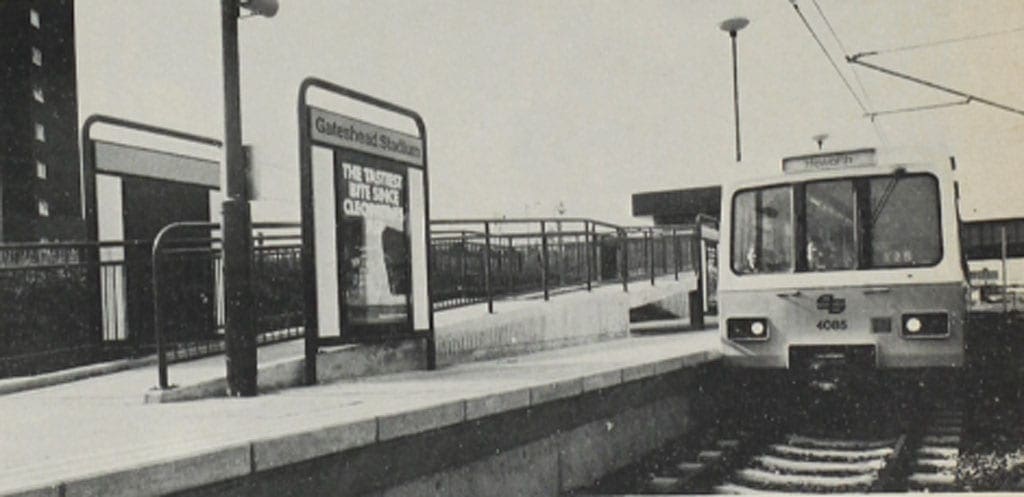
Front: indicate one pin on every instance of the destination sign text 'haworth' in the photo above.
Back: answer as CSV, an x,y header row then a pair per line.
x,y
337,130
834,160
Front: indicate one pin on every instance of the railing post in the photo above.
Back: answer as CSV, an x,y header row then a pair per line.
x,y
158,335
664,254
587,254
463,249
260,269
487,267
513,268
676,253
544,259
561,255
649,241
624,248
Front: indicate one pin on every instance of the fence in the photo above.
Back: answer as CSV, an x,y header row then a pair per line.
x,y
65,304
70,303
475,261
187,278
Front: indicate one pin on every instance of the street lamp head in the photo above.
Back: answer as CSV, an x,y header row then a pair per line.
x,y
265,8
733,25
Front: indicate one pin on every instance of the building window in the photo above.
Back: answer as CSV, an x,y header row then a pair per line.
x,y
33,18
40,132
37,94
44,208
37,56
40,170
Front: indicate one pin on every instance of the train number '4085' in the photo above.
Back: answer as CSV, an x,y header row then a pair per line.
x,y
831,324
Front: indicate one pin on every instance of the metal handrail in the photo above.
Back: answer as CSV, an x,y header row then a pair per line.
x,y
469,243
157,328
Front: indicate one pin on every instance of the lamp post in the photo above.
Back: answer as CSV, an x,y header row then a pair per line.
x,y
239,332
733,26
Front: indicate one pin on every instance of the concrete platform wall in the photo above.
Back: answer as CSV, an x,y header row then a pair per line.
x,y
561,322
667,294
544,449
569,460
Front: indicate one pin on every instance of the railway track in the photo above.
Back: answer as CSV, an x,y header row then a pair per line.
x,y
871,448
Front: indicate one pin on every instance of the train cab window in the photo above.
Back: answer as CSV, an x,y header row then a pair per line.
x,y
763,231
830,208
905,230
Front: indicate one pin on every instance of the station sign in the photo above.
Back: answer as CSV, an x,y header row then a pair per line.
x,y
866,157
336,130
365,217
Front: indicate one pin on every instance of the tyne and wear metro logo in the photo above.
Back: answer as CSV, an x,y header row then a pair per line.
x,y
830,303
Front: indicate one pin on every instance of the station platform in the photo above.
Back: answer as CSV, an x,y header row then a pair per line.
x,y
96,437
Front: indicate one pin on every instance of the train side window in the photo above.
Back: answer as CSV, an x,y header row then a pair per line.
x,y
906,229
763,231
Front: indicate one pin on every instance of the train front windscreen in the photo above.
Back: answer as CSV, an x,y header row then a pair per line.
x,y
865,222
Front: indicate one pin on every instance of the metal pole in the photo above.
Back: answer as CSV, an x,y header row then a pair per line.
x,y
587,254
544,259
487,267
676,253
1002,248
735,93
161,356
664,254
649,253
462,266
561,255
512,267
624,246
240,340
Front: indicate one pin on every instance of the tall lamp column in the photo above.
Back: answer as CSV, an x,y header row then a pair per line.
x,y
733,26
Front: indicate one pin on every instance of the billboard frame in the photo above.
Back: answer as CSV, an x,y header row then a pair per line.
x,y
313,341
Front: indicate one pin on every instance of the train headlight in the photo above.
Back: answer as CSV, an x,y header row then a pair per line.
x,y
747,329
913,325
925,325
757,328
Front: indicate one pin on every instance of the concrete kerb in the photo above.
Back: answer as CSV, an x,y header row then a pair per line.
x,y
333,363
19,384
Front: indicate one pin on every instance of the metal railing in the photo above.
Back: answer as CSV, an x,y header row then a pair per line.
x,y
49,312
188,290
64,304
480,260
69,303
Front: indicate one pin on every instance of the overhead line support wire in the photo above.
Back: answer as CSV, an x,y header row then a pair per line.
x,y
856,76
856,59
873,115
828,56
950,40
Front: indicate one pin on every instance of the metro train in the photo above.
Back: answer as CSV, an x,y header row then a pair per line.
x,y
843,260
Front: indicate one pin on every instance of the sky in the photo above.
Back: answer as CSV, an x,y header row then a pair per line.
x,y
534,103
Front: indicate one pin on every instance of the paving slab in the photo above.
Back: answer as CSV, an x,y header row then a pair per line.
x,y
94,433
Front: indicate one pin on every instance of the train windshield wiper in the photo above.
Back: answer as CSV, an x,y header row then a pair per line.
x,y
877,209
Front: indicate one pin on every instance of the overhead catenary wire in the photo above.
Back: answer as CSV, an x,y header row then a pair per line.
x,y
856,76
873,115
856,59
947,41
828,56
835,66
842,47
